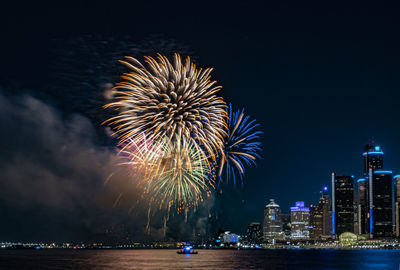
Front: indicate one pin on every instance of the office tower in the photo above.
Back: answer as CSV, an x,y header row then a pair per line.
x,y
321,217
376,196
326,212
272,222
397,204
327,222
342,204
316,221
362,206
381,215
300,221
254,233
373,158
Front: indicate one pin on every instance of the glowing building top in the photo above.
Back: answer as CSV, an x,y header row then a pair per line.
x,y
299,207
373,157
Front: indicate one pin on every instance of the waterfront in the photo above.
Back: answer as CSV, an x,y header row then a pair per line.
x,y
206,259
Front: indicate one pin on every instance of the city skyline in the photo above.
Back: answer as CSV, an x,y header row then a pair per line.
x,y
379,151
352,208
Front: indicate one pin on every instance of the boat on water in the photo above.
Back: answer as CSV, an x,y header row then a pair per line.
x,y
187,250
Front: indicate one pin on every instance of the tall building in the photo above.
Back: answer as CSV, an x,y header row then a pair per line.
x,y
362,206
315,222
342,204
321,217
373,158
272,222
327,215
376,196
396,205
382,223
300,221
254,233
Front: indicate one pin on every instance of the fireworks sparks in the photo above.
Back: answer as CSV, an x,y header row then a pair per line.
x,y
241,145
172,173
182,175
174,100
171,125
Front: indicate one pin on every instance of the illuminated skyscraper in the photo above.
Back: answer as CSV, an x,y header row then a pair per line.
x,y
342,204
373,158
376,196
272,222
362,206
397,204
382,214
300,221
321,217
316,221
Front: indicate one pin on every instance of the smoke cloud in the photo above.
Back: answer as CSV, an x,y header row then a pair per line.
x,y
53,172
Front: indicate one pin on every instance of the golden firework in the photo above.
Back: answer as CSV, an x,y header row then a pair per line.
x,y
175,100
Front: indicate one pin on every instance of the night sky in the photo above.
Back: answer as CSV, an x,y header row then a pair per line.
x,y
322,80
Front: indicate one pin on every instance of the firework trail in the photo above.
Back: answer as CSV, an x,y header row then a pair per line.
x,y
176,100
241,146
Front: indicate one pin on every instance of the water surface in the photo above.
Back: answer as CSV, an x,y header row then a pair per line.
x,y
206,259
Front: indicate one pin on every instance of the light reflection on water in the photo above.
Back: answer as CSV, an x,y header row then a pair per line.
x,y
206,259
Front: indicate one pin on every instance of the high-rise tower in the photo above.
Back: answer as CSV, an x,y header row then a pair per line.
x,y
382,204
300,221
375,196
362,206
373,157
321,216
342,204
272,222
396,211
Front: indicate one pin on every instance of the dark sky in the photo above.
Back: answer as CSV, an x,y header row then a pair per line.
x,y
322,80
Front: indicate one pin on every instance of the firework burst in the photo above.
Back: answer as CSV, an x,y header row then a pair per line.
x,y
176,100
171,173
241,145
141,156
182,175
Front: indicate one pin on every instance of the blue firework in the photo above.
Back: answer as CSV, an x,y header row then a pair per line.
x,y
241,146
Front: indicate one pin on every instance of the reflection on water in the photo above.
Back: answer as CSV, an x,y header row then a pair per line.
x,y
206,259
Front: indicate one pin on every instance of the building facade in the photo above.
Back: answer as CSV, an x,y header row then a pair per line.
x,y
362,206
396,195
382,215
316,221
327,214
300,221
376,196
342,204
321,217
272,222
